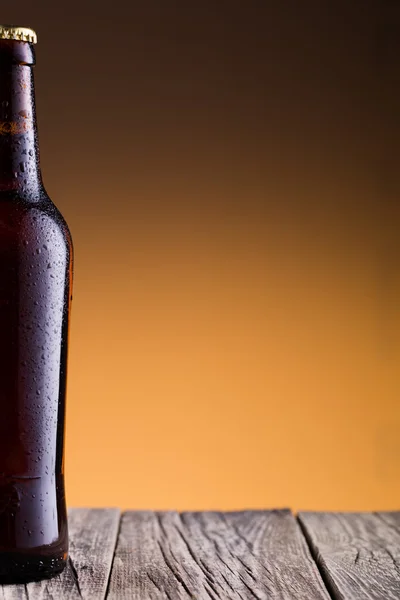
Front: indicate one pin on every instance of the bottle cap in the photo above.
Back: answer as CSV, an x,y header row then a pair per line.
x,y
21,34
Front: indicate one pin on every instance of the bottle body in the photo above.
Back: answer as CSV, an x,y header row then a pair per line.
x,y
35,288
35,297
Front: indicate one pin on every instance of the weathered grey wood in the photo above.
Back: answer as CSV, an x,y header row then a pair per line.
x,y
392,519
13,592
63,586
93,536
358,554
234,556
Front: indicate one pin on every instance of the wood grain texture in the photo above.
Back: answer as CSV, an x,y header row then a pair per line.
x,y
392,519
93,535
13,592
236,556
358,554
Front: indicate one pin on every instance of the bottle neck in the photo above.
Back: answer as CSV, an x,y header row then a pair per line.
x,y
19,153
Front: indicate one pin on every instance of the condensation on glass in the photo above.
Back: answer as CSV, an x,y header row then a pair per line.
x,y
35,300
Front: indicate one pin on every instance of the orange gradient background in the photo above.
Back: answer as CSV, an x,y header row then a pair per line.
x,y
229,174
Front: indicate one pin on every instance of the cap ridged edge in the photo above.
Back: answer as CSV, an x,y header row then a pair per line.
x,y
20,34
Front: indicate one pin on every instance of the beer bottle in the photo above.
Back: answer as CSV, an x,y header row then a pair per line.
x,y
35,298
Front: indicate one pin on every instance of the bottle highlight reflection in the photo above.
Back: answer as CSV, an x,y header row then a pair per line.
x,y
35,298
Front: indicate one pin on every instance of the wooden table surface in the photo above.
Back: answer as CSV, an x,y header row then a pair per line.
x,y
253,555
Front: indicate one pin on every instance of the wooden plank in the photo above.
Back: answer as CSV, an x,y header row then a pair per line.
x,y
253,554
392,519
13,592
358,553
93,535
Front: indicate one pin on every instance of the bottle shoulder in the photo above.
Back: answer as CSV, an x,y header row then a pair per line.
x,y
21,216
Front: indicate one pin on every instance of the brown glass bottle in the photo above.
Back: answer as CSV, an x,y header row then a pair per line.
x,y
35,297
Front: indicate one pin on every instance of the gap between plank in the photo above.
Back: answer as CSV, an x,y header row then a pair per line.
x,y
113,558
314,553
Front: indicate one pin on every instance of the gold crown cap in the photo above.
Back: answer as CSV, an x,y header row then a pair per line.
x,y
21,34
